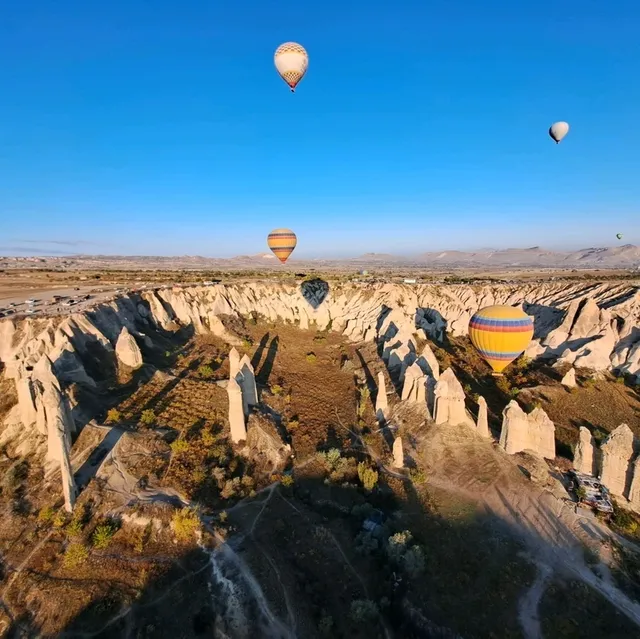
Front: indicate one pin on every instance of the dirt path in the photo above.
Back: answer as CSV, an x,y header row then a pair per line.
x,y
530,602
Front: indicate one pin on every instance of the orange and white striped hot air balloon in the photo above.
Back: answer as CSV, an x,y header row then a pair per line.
x,y
291,61
282,242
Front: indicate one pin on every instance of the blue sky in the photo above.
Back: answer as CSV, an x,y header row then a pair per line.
x,y
162,127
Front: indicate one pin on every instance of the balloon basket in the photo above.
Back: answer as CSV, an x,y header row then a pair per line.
x,y
497,374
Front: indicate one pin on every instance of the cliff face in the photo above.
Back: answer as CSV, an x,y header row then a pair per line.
x,y
595,325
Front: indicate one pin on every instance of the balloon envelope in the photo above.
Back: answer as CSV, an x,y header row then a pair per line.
x,y
558,130
291,62
282,242
619,236
500,334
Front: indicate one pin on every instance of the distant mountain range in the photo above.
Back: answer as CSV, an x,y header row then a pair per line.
x,y
623,256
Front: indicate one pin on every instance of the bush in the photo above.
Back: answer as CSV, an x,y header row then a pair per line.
x,y
276,389
418,476
293,423
46,515
75,555
148,417
247,343
311,357
205,371
103,534
287,481
503,385
363,610
325,626
414,561
368,476
185,523
179,446
113,415
398,545
366,543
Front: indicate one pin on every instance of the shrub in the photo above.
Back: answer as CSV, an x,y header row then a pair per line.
x,y
325,626
75,555
311,357
59,519
414,561
74,529
148,417
293,423
246,343
366,543
185,523
287,481
368,476
362,405
503,385
103,533
205,371
332,456
46,515
418,476
276,389
363,610
398,545
113,415
179,446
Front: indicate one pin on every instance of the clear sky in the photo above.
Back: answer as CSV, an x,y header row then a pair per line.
x,y
161,127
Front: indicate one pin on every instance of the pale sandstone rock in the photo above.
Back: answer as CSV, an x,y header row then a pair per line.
x,y
236,412
482,426
234,362
382,406
414,387
398,453
514,435
127,350
569,380
534,432
617,452
542,434
428,362
449,401
584,457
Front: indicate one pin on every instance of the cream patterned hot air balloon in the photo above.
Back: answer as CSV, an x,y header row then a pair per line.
x,y
558,130
291,61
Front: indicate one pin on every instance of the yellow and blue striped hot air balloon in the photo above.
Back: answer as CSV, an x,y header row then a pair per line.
x,y
500,334
282,242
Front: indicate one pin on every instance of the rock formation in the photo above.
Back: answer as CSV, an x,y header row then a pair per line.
x,y
482,425
414,389
247,380
382,406
534,432
234,362
584,456
127,350
634,490
428,362
236,412
617,452
449,401
514,435
569,380
398,453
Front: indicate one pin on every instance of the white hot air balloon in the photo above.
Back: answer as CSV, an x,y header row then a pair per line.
x,y
291,61
558,130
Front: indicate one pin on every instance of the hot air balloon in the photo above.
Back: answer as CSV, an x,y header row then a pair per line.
x,y
558,130
282,242
291,61
500,334
619,236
